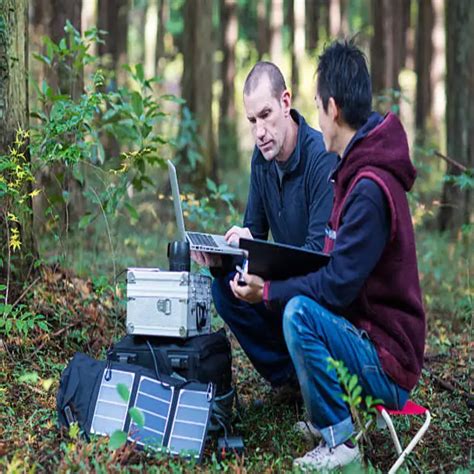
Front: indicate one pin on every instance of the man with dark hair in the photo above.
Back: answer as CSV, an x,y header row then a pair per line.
x,y
290,196
365,307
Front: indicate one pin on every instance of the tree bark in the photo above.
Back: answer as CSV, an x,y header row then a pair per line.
x,y
263,27
228,143
160,35
455,203
335,18
276,36
295,18
290,21
61,11
424,57
13,115
113,18
388,45
151,32
312,24
197,79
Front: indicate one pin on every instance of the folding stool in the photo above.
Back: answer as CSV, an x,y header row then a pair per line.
x,y
384,420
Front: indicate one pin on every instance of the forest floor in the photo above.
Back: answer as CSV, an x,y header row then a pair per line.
x,y
86,317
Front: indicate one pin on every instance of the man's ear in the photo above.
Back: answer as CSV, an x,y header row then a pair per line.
x,y
333,110
286,102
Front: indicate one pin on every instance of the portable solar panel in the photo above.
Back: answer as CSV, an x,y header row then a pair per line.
x,y
176,413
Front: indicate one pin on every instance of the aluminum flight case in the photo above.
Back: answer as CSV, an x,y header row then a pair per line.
x,y
163,303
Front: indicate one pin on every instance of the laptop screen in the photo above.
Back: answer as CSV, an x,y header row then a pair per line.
x,y
176,201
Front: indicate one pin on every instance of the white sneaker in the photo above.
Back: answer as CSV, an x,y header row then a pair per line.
x,y
325,458
307,431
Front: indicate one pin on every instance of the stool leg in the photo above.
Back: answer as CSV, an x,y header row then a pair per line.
x,y
360,433
393,433
412,443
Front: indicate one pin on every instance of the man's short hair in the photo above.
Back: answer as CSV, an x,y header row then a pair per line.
x,y
274,75
344,76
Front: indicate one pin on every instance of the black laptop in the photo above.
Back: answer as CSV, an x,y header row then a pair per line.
x,y
273,261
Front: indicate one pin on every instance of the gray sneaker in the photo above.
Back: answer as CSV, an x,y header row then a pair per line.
x,y
324,458
307,431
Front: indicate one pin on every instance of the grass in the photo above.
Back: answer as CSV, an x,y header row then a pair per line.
x,y
85,315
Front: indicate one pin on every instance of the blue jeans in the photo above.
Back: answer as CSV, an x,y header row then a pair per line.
x,y
313,334
259,332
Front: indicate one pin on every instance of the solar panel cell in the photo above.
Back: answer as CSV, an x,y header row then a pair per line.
x,y
111,410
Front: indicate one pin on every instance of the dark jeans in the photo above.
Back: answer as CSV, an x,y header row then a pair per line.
x,y
259,332
314,334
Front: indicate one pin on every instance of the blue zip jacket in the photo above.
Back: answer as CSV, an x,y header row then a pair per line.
x,y
296,212
360,243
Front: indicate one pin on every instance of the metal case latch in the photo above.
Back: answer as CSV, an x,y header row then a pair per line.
x,y
164,306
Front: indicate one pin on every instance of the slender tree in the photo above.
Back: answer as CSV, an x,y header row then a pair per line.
x,y
113,18
14,115
160,35
388,44
456,204
60,12
312,24
295,20
151,32
276,32
338,18
263,27
424,58
228,144
197,79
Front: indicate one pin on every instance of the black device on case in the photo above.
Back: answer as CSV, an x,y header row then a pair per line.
x,y
179,256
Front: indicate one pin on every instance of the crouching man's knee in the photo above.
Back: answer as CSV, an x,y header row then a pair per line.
x,y
301,312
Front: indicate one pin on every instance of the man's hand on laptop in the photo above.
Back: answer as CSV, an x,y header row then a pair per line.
x,y
206,259
252,292
233,235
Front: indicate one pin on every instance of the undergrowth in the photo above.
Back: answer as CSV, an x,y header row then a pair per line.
x,y
88,314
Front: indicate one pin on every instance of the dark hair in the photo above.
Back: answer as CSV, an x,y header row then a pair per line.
x,y
344,76
274,75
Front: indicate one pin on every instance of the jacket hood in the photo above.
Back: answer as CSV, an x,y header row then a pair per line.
x,y
385,147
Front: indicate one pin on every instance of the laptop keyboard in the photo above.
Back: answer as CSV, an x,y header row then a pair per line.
x,y
202,239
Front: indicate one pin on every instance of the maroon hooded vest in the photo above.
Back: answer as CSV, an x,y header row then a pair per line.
x,y
389,306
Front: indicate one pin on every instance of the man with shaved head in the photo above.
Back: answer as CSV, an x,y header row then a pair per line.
x,y
289,196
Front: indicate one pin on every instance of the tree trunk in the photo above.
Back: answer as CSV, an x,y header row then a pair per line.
x,y
334,18
61,11
295,20
263,27
424,57
137,22
151,32
58,179
228,143
160,35
276,33
388,45
455,203
438,69
113,18
290,21
13,115
312,24
197,79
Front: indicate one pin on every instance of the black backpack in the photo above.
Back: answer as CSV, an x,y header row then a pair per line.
x,y
206,358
